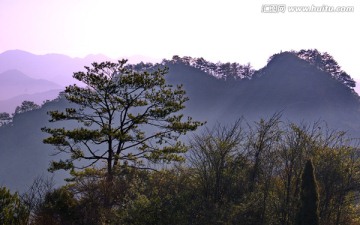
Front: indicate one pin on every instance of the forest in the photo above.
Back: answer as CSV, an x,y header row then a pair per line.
x,y
133,158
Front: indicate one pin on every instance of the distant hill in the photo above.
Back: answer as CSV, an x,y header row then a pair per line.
x,y
55,67
303,91
14,83
23,156
10,104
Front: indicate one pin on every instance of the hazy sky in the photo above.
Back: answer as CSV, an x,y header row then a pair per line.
x,y
226,30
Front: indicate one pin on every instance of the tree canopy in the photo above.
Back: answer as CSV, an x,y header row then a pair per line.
x,y
125,117
5,118
12,210
26,106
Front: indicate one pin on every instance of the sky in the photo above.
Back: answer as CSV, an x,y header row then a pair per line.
x,y
226,30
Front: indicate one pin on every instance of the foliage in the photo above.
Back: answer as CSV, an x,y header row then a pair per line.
x,y
12,210
59,207
25,107
5,118
326,62
231,71
34,197
126,117
309,197
127,120
235,174
216,157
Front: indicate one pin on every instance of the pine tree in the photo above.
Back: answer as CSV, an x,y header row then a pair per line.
x,y
127,117
309,197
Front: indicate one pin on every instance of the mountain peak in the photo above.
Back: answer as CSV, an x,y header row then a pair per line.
x,y
16,52
322,61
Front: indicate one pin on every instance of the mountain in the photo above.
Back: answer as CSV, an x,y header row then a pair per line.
x,y
14,83
55,67
23,156
302,91
9,105
290,83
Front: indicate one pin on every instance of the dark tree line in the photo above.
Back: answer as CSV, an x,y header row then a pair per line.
x,y
235,174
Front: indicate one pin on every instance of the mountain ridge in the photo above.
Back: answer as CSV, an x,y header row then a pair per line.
x,y
9,105
14,83
298,89
14,59
55,67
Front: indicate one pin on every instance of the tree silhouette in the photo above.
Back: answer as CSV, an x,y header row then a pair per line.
x,y
26,106
126,118
309,197
5,118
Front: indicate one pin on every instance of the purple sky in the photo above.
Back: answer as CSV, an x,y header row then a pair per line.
x,y
226,30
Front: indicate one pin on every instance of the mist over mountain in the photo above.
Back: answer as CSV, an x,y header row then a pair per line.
x,y
14,83
302,91
9,105
306,86
55,67
26,76
23,156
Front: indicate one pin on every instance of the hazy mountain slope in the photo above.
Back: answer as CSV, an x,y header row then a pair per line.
x,y
9,105
207,94
288,83
301,90
14,83
55,67
23,156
